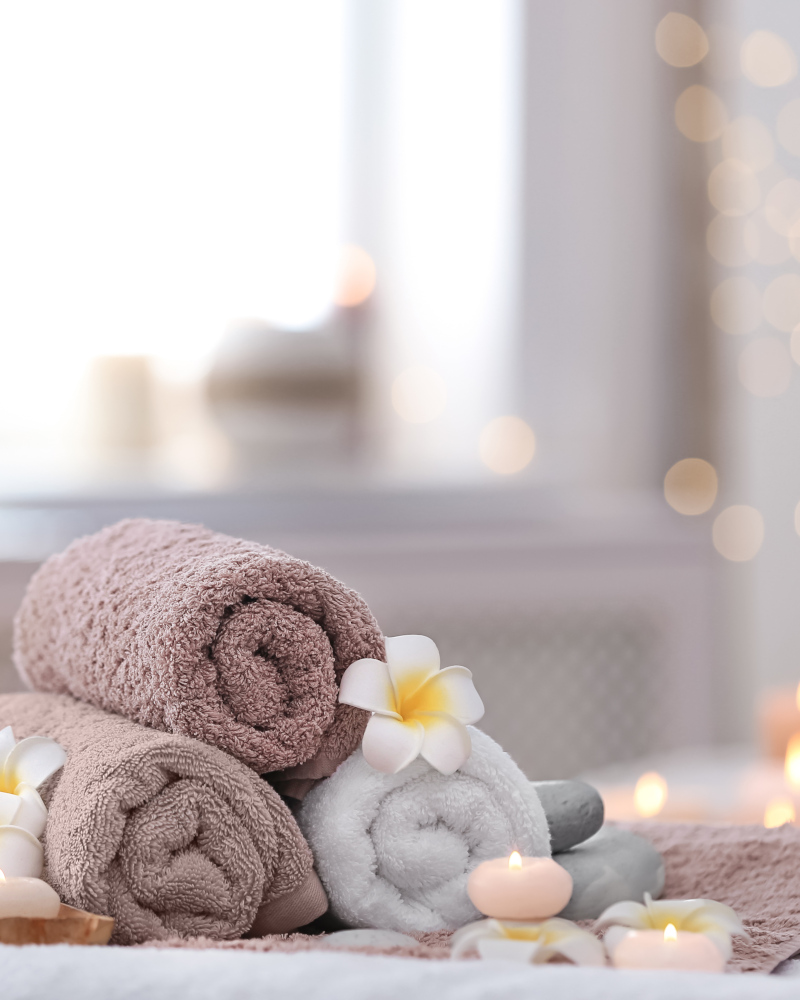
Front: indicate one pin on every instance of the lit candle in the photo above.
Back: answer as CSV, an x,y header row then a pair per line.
x,y
27,897
667,949
518,888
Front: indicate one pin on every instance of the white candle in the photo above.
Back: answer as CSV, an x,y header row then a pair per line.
x,y
27,897
518,888
668,949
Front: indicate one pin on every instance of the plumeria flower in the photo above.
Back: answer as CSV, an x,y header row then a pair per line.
x,y
700,916
418,708
517,941
24,767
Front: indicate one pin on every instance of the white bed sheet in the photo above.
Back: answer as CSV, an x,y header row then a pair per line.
x,y
80,973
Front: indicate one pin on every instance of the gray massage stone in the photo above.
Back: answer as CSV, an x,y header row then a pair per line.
x,y
368,938
612,866
574,811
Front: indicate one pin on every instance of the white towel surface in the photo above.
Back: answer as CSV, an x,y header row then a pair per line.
x,y
394,851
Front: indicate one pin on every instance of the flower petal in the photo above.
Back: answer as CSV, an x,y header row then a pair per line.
x,y
579,947
714,914
628,914
446,745
508,950
412,660
32,815
21,854
613,936
32,761
390,745
9,807
366,684
466,937
451,691
7,744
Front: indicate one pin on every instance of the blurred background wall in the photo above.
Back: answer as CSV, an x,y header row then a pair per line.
x,y
487,306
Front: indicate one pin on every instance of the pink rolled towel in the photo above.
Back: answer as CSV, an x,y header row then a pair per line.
x,y
194,632
163,833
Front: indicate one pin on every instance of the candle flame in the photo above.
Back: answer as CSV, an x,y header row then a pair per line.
x,y
515,861
650,794
778,812
670,933
792,762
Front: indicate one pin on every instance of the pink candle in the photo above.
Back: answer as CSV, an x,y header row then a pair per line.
x,y
668,949
518,888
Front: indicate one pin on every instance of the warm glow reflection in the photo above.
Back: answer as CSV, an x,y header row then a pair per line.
x,y
690,486
791,766
788,127
419,394
782,206
738,532
2,875
726,240
767,59
781,302
762,243
748,140
650,794
699,114
736,305
356,277
797,698
680,41
778,812
670,933
515,861
765,367
733,188
507,445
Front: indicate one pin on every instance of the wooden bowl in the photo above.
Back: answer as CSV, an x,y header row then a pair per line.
x,y
71,926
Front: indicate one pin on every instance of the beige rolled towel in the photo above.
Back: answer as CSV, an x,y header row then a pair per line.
x,y
166,834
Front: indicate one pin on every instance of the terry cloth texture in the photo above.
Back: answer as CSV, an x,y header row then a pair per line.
x,y
189,631
163,833
394,851
756,871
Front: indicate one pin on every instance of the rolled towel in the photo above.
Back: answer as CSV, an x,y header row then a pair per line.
x,y
394,851
189,631
163,833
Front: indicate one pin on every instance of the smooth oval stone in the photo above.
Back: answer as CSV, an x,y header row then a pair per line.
x,y
574,811
611,866
367,937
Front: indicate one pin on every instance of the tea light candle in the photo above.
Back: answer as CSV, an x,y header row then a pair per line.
x,y
518,888
667,949
27,897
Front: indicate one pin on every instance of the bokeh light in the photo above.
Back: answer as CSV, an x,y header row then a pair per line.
x,y
749,140
690,486
419,394
765,367
733,188
506,445
762,243
356,277
782,206
700,114
738,533
736,305
781,302
767,59
680,41
650,794
788,127
726,241
779,811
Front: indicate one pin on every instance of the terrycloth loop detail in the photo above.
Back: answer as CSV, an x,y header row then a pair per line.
x,y
395,851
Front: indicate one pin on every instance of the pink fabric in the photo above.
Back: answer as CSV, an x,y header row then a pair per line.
x,y
189,631
163,833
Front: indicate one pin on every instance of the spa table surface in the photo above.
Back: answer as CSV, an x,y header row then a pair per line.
x,y
62,972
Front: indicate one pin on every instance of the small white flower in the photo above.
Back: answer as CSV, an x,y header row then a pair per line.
x,y
699,916
418,709
517,941
24,767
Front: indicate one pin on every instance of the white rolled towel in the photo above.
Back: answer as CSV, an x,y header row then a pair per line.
x,y
394,851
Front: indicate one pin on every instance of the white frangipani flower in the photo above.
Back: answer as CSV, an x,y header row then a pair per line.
x,y
699,916
417,707
518,941
24,767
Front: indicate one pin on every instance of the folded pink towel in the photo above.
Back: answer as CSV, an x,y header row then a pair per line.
x,y
163,833
190,631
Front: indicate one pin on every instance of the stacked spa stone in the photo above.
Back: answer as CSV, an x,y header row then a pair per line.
x,y
607,864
